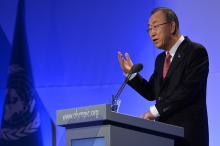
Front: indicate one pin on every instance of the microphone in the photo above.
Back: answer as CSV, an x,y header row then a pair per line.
x,y
134,69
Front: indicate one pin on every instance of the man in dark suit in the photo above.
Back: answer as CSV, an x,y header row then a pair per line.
x,y
178,83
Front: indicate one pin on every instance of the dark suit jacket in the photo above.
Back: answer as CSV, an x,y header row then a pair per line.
x,y
181,96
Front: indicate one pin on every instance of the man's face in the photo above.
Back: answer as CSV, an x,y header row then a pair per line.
x,y
159,30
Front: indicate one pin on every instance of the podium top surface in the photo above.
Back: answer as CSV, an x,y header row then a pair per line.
x,y
102,113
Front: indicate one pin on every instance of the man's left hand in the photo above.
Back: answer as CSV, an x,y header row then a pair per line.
x,y
148,116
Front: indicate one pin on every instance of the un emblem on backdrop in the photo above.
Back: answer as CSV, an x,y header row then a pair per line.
x,y
20,117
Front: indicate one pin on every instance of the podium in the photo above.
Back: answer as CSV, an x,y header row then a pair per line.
x,y
98,125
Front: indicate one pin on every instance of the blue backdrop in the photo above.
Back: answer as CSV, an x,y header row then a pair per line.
x,y
73,48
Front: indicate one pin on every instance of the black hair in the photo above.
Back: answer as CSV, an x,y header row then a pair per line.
x,y
170,15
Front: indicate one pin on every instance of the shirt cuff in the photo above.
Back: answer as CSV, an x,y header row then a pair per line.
x,y
154,111
132,76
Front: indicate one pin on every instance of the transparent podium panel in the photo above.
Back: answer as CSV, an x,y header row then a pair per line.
x,y
97,141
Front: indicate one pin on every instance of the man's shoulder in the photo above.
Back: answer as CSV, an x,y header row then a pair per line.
x,y
194,49
193,46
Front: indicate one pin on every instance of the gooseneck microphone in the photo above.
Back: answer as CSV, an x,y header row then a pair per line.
x,y
134,69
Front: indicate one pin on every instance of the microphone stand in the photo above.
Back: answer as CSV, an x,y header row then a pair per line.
x,y
115,99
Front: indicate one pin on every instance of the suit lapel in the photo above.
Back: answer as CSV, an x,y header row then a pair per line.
x,y
160,73
161,60
178,57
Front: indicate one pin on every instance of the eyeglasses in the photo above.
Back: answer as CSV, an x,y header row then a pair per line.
x,y
156,27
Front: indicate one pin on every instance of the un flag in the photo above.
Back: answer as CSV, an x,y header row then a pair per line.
x,y
22,110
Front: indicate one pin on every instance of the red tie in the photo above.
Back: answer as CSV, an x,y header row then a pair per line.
x,y
166,64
